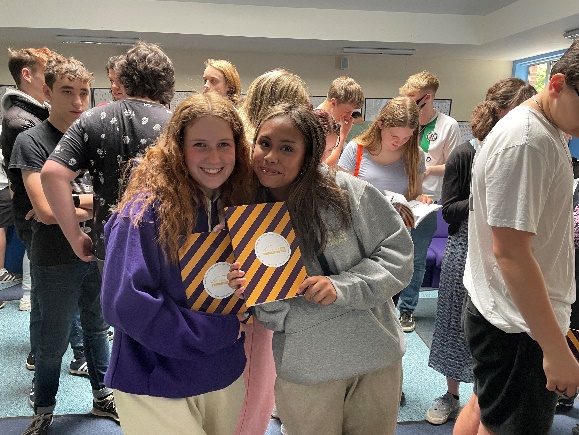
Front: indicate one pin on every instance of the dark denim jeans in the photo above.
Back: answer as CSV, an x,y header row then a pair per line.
x,y
421,237
76,338
60,292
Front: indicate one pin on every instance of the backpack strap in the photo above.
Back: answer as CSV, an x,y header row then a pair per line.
x,y
358,159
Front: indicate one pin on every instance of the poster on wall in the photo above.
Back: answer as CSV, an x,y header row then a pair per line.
x,y
372,106
317,100
100,96
465,131
178,97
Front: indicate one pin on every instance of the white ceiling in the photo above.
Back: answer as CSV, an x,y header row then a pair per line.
x,y
457,29
456,7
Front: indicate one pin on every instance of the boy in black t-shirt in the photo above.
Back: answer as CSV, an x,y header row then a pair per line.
x,y
62,284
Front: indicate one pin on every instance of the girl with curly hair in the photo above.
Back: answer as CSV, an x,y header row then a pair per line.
x,y
175,370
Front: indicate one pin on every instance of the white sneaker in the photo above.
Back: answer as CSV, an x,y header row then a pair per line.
x,y
6,276
24,303
442,408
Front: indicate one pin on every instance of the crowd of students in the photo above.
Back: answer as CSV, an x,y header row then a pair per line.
x,y
328,360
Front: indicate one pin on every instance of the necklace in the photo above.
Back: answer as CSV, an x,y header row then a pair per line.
x,y
543,112
563,142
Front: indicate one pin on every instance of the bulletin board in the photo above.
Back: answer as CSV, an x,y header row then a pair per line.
x,y
100,96
465,131
317,100
178,97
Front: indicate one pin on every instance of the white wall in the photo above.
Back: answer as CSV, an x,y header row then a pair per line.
x,y
464,81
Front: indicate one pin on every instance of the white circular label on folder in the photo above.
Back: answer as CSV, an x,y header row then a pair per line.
x,y
215,281
272,249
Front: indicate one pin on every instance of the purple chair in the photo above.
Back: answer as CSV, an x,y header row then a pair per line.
x,y
435,253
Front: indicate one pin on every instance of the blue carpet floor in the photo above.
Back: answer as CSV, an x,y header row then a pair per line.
x,y
421,384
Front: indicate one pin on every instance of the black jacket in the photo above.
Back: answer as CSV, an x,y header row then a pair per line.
x,y
21,112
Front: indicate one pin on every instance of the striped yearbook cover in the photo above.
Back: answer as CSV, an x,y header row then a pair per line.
x,y
573,342
265,244
204,260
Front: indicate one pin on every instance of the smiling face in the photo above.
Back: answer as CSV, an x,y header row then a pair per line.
x,y
68,99
214,80
341,112
209,149
278,155
394,138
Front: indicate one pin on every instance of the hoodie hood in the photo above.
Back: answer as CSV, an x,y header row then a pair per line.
x,y
7,99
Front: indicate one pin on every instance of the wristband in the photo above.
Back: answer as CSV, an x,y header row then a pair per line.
x,y
76,200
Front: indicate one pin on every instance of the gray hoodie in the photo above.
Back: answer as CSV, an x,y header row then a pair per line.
x,y
372,260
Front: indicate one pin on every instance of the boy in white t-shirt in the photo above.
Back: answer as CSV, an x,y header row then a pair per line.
x,y
519,270
439,135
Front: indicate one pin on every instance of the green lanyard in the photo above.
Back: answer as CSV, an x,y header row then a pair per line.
x,y
427,134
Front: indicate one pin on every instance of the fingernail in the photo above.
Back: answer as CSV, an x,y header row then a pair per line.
x,y
245,314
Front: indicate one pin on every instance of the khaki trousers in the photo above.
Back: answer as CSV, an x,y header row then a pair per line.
x,y
213,413
362,405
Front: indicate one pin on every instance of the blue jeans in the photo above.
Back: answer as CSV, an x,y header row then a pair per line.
x,y
76,339
421,237
60,292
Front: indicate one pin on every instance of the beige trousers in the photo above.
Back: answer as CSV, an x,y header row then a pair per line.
x,y
213,413
362,405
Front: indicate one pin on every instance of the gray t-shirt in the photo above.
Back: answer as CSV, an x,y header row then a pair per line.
x,y
383,177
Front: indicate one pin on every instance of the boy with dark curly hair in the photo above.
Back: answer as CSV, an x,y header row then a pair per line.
x,y
105,138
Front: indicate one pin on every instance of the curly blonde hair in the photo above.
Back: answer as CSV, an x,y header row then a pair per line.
x,y
162,179
273,87
398,112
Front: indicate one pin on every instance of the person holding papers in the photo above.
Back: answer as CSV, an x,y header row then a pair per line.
x,y
387,155
175,370
339,347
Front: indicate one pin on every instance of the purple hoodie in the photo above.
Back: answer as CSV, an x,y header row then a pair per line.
x,y
161,347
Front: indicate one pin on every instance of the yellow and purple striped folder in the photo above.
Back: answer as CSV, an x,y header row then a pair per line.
x,y
573,342
265,244
204,260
